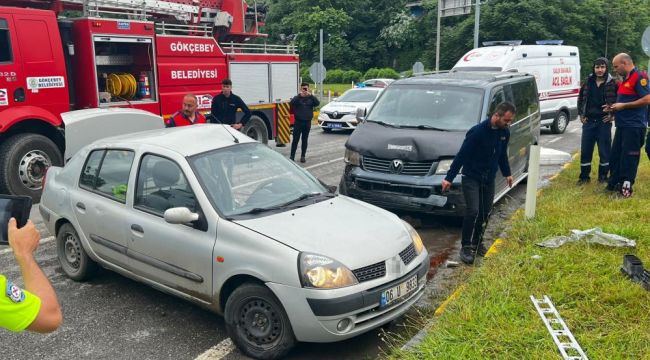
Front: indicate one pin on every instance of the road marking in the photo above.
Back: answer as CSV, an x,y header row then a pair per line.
x,y
323,163
574,130
43,241
218,352
554,140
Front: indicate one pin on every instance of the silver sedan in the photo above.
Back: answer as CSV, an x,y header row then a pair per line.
x,y
211,216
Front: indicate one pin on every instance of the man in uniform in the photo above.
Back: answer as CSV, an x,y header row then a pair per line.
x,y
225,105
599,89
302,106
36,308
485,148
631,118
187,116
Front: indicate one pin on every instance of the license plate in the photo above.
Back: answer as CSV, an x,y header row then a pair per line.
x,y
399,292
335,125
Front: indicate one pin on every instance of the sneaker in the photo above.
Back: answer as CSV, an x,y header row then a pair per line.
x,y
302,159
583,181
467,255
481,250
626,189
292,158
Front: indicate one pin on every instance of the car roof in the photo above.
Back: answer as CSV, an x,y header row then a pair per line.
x,y
185,140
477,79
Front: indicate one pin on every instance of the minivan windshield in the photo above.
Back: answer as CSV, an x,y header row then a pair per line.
x,y
251,178
359,96
444,108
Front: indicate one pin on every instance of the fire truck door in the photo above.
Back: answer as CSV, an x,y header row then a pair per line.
x,y
12,86
43,63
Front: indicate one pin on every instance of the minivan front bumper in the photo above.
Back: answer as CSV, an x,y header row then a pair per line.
x,y
401,192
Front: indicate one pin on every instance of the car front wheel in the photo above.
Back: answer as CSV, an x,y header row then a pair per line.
x,y
74,260
257,323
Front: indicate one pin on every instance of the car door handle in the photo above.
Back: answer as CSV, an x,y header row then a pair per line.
x,y
81,206
137,228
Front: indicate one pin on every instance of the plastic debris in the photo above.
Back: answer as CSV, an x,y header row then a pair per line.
x,y
593,236
536,257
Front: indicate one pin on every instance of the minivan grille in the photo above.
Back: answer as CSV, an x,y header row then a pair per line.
x,y
408,254
414,168
370,272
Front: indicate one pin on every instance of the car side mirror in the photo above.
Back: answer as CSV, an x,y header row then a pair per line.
x,y
180,215
361,114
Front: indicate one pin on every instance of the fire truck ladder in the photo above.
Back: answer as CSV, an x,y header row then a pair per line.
x,y
558,329
141,9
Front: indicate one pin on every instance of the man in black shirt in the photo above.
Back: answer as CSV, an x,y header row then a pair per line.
x,y
225,105
599,89
303,106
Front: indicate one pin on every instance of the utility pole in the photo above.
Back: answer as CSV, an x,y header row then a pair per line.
x,y
438,36
477,19
320,86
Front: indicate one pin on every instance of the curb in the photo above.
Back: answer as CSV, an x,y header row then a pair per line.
x,y
417,338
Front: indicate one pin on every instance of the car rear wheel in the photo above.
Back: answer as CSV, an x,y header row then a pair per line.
x,y
257,323
74,260
560,123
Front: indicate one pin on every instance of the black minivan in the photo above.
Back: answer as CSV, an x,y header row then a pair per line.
x,y
400,153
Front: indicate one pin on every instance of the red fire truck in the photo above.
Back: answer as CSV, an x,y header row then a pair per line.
x,y
143,54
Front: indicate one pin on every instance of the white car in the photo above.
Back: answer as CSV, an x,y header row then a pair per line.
x,y
340,114
209,215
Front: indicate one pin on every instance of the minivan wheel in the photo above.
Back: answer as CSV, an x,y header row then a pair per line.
x,y
560,123
257,323
74,260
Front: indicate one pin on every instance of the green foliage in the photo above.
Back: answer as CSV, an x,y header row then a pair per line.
x,y
334,76
351,75
371,74
388,73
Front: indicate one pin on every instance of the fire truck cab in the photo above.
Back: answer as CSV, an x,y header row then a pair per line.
x,y
117,54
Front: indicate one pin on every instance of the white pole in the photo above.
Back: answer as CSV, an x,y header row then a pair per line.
x,y
438,36
320,91
477,20
533,176
329,96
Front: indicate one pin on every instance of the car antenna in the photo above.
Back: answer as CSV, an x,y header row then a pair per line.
x,y
228,131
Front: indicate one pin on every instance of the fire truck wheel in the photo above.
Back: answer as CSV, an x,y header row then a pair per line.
x,y
24,158
256,129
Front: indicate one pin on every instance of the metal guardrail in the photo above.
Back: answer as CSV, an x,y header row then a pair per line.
x,y
163,28
244,48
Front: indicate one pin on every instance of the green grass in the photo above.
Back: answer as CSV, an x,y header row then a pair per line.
x,y
337,89
608,314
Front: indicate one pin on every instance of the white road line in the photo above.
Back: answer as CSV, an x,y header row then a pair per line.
x,y
43,241
323,163
554,140
218,352
574,130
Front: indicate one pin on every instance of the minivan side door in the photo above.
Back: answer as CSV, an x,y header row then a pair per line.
x,y
520,129
497,96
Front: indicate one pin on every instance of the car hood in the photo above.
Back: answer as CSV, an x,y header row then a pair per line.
x,y
345,107
372,139
353,232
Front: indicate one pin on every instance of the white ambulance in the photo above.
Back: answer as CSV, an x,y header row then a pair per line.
x,y
556,68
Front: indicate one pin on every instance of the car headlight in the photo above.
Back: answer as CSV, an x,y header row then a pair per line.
x,y
415,237
443,166
318,271
322,116
352,157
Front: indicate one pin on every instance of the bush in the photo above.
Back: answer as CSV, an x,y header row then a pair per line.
x,y
304,74
351,75
371,74
388,73
334,76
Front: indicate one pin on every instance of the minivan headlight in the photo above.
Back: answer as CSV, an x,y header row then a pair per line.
x,y
318,271
352,157
415,237
443,166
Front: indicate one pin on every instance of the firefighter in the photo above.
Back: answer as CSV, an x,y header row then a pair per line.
x,y
485,148
302,106
36,308
225,106
631,119
599,89
187,116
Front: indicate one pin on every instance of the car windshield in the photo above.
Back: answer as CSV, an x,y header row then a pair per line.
x,y
251,178
448,108
359,96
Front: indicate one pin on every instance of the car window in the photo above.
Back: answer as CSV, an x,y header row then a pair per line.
x,y
496,98
90,169
5,43
241,178
358,96
524,94
107,172
162,185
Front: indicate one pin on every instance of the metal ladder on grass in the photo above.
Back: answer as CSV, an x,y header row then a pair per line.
x,y
562,336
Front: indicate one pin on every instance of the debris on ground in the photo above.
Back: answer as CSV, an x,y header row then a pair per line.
x,y
593,236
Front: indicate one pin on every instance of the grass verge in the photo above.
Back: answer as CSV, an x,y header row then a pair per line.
x,y
608,314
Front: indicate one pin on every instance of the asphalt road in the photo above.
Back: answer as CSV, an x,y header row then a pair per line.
x,y
112,317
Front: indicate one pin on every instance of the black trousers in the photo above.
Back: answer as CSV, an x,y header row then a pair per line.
x,y
595,131
300,130
647,145
626,153
479,196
